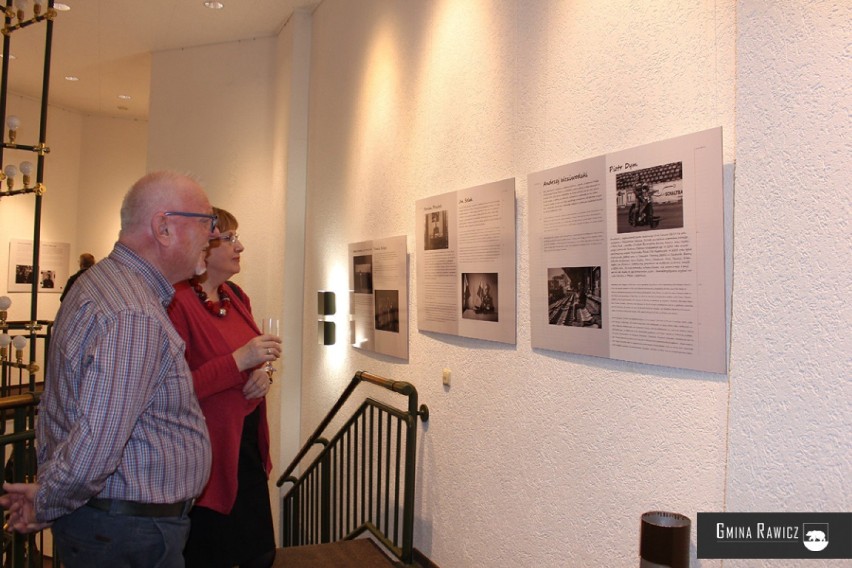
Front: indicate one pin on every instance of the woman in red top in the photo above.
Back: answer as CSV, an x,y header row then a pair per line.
x,y
232,519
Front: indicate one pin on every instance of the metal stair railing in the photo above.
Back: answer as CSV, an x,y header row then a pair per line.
x,y
353,486
18,450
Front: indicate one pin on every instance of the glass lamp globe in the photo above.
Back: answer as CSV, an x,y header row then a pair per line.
x,y
19,342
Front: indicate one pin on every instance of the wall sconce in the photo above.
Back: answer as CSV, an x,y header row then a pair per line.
x,y
19,342
326,307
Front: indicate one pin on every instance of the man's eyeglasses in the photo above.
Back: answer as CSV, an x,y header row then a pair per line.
x,y
227,238
213,218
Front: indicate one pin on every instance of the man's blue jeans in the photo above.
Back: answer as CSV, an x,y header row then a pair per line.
x,y
90,538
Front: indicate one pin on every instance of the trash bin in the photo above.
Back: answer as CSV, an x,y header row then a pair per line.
x,y
664,541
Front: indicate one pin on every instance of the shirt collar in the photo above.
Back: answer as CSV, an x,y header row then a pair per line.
x,y
124,255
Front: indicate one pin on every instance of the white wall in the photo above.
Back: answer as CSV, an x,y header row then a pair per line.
x,y
211,116
791,394
289,174
535,458
113,157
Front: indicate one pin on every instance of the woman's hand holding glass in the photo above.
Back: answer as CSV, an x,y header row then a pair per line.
x,y
259,350
271,326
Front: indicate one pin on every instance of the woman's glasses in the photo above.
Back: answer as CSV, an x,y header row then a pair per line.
x,y
231,238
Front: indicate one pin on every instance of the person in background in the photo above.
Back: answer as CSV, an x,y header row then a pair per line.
x,y
86,262
123,447
232,520
640,190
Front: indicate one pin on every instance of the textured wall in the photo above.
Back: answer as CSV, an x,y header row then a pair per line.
x,y
791,394
531,458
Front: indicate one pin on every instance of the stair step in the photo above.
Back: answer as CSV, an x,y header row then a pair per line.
x,y
359,553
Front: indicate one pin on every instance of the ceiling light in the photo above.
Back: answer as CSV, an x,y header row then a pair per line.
x,y
11,57
71,78
61,7
214,5
125,97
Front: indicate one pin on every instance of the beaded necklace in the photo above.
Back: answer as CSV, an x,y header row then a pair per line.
x,y
224,299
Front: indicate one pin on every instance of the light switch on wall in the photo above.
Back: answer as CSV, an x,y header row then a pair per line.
x,y
446,377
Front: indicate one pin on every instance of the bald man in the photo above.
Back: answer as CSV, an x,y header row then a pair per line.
x,y
123,449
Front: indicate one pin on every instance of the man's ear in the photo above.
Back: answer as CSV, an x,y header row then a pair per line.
x,y
160,228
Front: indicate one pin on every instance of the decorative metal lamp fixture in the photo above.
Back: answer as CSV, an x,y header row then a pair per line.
x,y
19,342
27,173
13,123
5,304
11,170
5,340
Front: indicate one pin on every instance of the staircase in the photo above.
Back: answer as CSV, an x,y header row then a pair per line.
x,y
353,504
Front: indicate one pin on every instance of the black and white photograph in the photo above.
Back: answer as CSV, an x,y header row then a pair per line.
x,y
457,288
574,296
650,199
479,296
436,236
387,310
48,279
378,304
23,274
362,269
53,266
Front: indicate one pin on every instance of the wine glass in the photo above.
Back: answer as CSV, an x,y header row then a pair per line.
x,y
270,326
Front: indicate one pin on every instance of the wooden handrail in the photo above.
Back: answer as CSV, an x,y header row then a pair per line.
x,y
19,400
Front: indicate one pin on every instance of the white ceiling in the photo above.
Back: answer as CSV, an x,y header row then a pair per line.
x,y
107,44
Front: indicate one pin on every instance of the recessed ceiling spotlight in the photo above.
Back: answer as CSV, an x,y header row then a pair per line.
x,y
125,97
61,7
71,78
214,5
